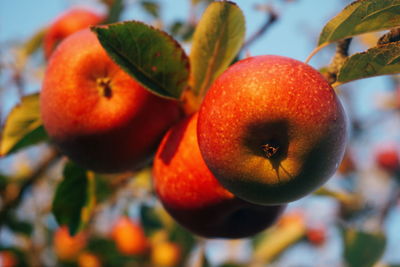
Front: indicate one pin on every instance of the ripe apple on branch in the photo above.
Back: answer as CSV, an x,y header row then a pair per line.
x,y
230,140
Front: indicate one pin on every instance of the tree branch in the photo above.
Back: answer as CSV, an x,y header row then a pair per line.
x,y
14,201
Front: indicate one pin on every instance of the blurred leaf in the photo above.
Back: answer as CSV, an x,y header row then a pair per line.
x,y
23,126
228,264
150,220
114,11
19,226
183,237
217,39
103,188
3,182
195,2
109,254
91,199
34,43
151,7
380,60
71,196
362,249
359,17
183,31
276,239
149,55
205,261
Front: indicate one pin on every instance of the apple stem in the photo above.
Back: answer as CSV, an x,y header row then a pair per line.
x,y
104,87
269,150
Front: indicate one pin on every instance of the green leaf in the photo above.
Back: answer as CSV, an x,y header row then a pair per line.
x,y
150,220
19,226
114,12
360,17
217,39
151,7
23,126
149,55
34,43
380,60
362,249
71,197
183,237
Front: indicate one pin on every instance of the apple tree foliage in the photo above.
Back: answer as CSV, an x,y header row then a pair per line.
x,y
156,59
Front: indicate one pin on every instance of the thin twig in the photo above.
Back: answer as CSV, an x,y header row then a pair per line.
x,y
272,17
392,36
342,53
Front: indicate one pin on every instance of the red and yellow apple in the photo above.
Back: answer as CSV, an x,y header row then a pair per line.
x,y
67,247
271,129
129,237
165,254
66,24
87,259
98,115
194,198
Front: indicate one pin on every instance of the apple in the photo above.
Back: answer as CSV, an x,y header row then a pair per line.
x,y
165,254
316,235
8,259
87,259
98,115
67,247
194,198
388,159
67,23
271,129
129,237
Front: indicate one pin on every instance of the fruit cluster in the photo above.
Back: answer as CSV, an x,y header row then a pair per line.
x,y
269,131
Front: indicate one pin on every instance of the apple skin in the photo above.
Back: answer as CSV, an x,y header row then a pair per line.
x,y
98,115
129,237
67,23
279,102
194,198
67,247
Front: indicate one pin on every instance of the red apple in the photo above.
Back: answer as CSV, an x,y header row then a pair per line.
x,y
316,235
97,114
8,259
192,195
271,129
129,237
388,159
66,24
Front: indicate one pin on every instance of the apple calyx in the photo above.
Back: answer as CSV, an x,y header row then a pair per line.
x,y
104,87
270,150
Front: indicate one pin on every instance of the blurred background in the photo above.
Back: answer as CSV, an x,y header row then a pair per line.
x,y
361,197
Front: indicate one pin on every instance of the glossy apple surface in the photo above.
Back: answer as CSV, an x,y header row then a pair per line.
x,y
97,114
271,129
192,195
66,24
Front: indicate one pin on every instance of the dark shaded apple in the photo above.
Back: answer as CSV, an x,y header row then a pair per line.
x,y
194,198
271,129
98,115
